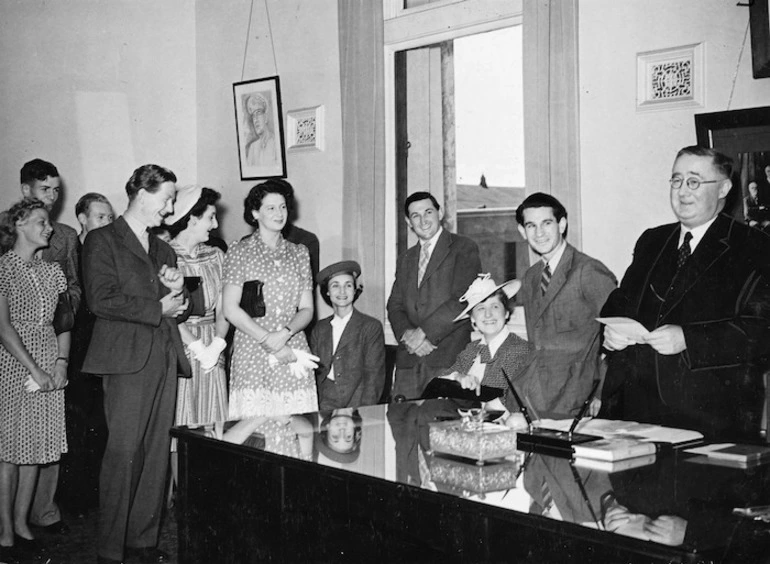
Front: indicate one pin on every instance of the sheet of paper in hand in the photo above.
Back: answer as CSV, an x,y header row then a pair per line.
x,y
629,328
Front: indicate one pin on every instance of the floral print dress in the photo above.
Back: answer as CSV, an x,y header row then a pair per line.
x,y
256,388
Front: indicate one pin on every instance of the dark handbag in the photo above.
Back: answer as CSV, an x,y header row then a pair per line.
x,y
194,288
252,300
64,316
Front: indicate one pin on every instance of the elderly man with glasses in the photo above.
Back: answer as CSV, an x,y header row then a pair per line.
x,y
701,289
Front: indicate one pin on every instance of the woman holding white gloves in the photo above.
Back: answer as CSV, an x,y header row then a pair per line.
x,y
203,397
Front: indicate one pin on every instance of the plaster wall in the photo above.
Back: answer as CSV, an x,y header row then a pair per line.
x,y
626,155
98,88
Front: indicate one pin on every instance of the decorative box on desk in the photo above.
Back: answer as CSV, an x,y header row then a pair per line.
x,y
479,442
477,478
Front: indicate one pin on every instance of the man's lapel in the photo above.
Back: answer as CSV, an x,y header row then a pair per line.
x,y
130,240
714,244
56,242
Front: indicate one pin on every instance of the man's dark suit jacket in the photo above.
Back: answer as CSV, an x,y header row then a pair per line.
x,y
359,362
720,298
63,248
453,266
123,291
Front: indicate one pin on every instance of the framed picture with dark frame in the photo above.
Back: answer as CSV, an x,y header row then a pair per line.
x,y
759,20
743,135
259,128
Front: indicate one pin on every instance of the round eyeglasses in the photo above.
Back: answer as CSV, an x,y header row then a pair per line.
x,y
692,183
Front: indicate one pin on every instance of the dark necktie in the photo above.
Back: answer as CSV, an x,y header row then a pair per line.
x,y
684,251
484,355
545,279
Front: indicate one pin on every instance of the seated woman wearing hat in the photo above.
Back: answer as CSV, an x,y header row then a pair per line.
x,y
351,345
482,362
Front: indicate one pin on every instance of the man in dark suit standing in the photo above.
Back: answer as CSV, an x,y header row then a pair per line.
x,y
425,299
562,294
40,181
701,287
136,293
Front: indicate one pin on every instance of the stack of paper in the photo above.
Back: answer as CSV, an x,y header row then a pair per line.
x,y
609,428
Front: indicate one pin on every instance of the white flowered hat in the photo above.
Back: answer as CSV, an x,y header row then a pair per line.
x,y
482,288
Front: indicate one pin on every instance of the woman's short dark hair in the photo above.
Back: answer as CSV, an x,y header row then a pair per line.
x,y
9,218
257,193
148,177
324,286
208,198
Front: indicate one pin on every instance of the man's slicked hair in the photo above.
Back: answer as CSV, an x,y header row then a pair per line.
x,y
541,200
721,162
85,201
148,177
416,197
37,169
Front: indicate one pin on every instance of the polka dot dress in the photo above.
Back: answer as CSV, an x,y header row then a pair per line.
x,y
255,387
32,427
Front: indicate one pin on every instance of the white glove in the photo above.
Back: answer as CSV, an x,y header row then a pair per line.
x,y
305,364
209,356
30,385
301,367
196,348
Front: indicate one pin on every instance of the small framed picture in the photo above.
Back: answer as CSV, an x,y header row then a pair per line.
x,y
259,127
305,129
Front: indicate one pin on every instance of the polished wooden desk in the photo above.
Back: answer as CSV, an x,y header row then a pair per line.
x,y
279,497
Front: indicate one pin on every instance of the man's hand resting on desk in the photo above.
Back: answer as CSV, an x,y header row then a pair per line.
x,y
667,339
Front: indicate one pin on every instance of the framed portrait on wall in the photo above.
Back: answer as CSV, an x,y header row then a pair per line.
x,y
743,135
259,127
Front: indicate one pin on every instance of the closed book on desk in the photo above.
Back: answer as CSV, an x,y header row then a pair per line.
x,y
612,449
611,466
743,453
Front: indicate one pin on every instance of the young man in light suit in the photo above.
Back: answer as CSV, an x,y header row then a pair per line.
x,y
562,293
425,299
137,295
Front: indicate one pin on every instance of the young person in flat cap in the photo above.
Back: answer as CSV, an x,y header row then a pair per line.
x,y
351,345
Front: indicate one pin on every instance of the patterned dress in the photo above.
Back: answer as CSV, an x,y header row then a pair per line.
x,y
202,398
256,388
32,427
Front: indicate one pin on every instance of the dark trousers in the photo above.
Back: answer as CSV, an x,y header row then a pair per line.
x,y
86,438
139,409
